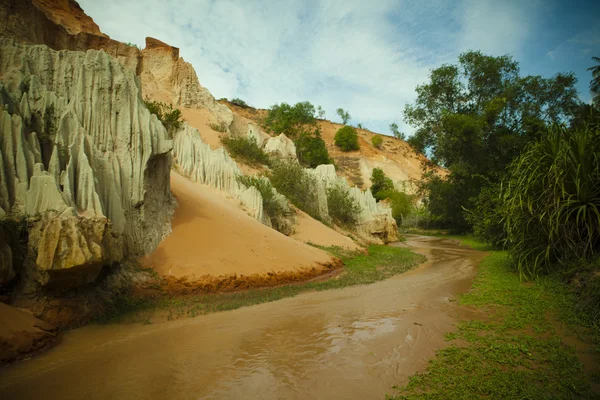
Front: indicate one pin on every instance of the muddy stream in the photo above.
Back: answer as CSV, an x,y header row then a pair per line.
x,y
352,343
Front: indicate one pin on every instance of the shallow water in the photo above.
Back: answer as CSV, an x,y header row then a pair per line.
x,y
352,343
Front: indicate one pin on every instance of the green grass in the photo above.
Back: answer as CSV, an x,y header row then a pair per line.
x,y
381,263
517,350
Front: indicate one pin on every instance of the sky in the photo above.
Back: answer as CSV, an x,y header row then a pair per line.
x,y
366,57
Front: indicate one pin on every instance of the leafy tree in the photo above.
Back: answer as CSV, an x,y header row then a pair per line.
x,y
291,120
474,118
346,139
595,83
401,203
320,113
397,134
291,180
344,115
311,150
379,183
377,141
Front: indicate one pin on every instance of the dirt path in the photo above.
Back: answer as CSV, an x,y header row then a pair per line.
x,y
353,343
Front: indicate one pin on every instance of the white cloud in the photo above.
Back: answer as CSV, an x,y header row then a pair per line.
x,y
366,57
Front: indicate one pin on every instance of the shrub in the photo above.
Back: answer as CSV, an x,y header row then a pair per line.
x,y
170,117
344,115
380,183
272,206
218,127
346,139
239,102
311,150
245,149
377,141
401,203
291,180
552,201
342,208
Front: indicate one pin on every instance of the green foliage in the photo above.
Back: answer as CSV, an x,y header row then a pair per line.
x,y
401,203
170,117
595,82
486,216
346,139
291,120
344,115
291,180
475,117
271,205
245,149
379,183
343,209
377,141
396,132
320,113
552,200
133,45
360,126
218,127
311,150
239,103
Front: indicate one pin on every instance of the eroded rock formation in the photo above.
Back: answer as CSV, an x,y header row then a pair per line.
x,y
76,139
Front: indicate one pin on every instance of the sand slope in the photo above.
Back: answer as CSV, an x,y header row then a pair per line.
x,y
309,230
213,236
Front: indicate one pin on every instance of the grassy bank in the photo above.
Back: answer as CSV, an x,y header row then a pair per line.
x,y
529,343
380,263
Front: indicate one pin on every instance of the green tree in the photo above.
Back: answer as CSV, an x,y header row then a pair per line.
x,y
291,120
474,118
379,183
311,150
239,102
595,83
397,134
346,139
320,113
344,115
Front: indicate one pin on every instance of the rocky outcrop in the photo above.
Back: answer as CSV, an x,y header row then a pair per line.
x,y
281,146
375,221
76,139
166,76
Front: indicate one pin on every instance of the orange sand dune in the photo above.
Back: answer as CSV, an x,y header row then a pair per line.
x,y
213,236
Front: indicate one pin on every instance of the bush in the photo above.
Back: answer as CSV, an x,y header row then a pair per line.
x,y
170,117
379,183
272,206
291,180
311,150
239,103
346,139
377,141
397,134
552,201
245,149
343,209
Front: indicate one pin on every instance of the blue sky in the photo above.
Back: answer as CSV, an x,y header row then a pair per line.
x,y
364,56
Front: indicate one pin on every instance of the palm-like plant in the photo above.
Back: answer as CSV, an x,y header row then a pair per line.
x,y
595,82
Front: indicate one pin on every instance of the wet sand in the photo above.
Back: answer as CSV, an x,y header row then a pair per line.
x,y
353,343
